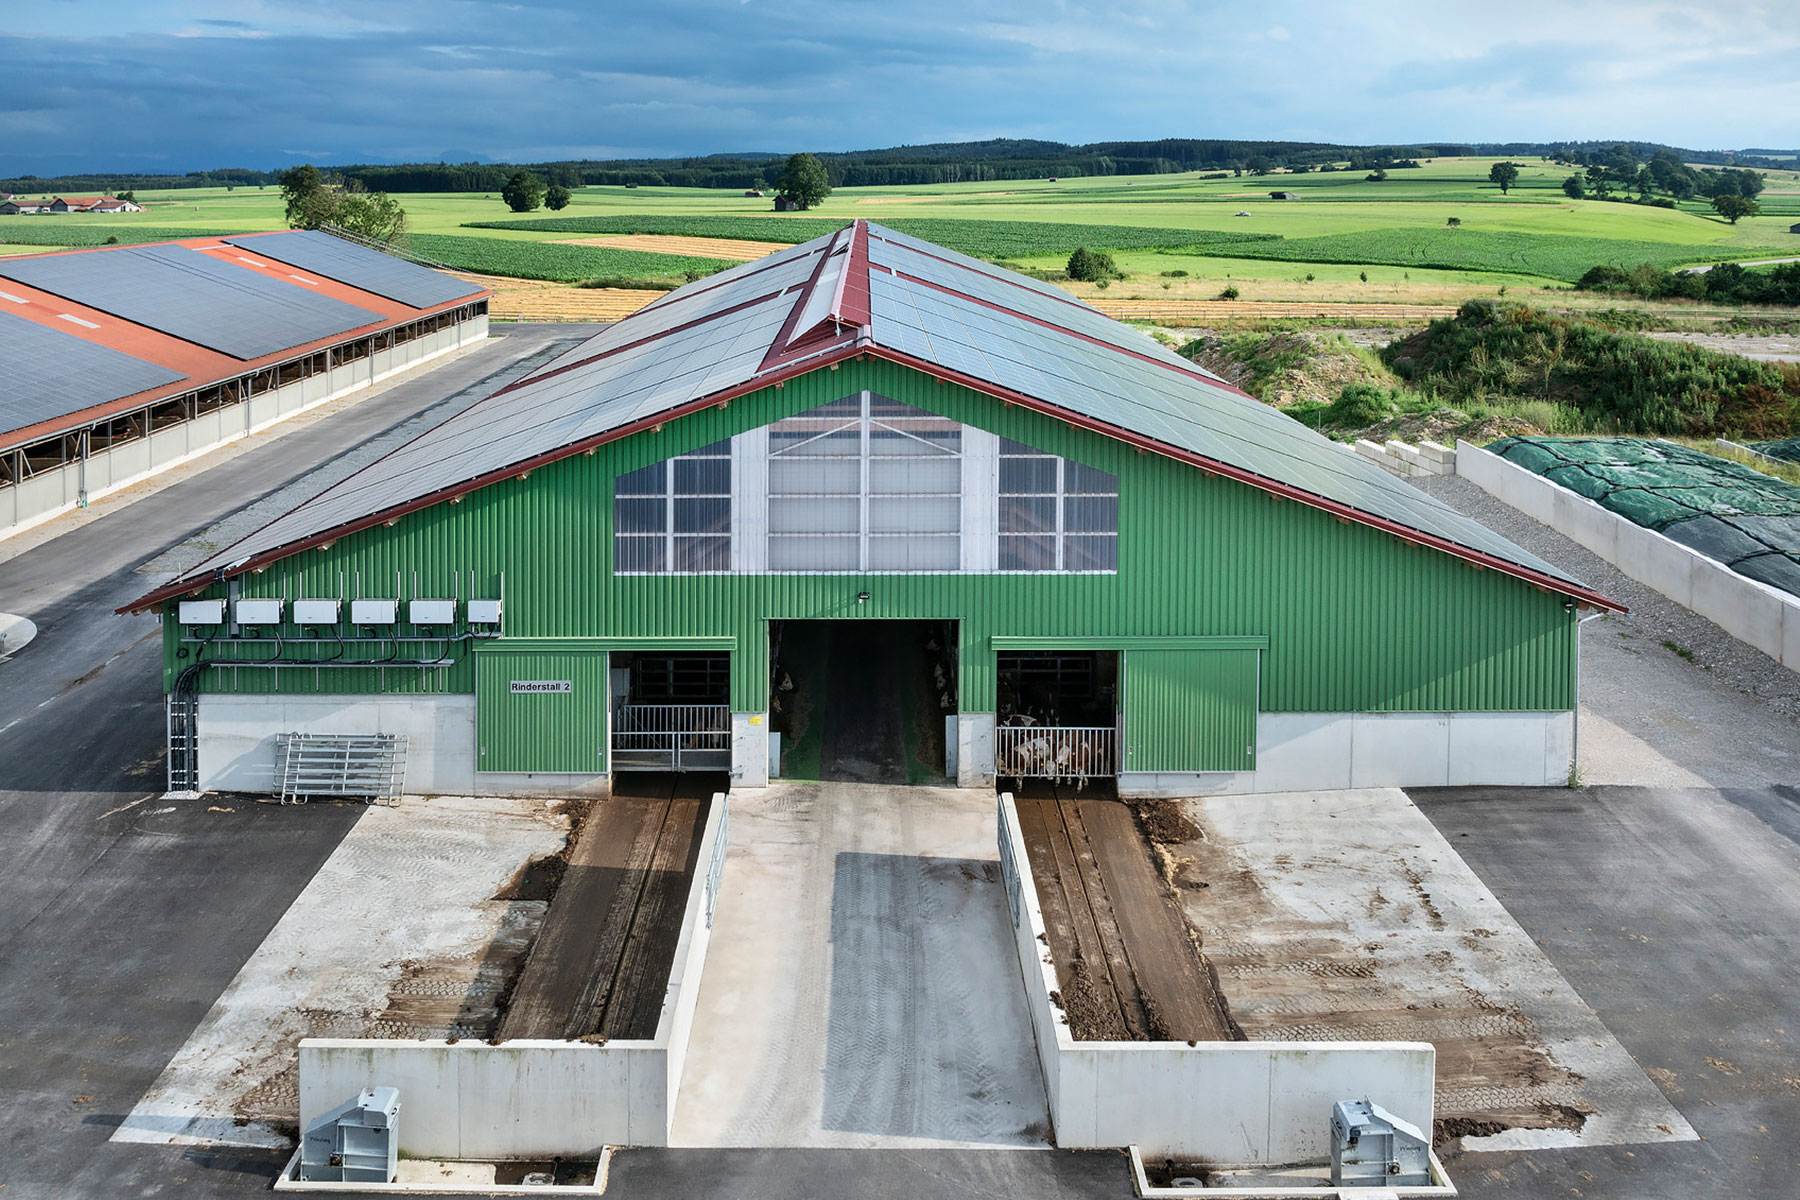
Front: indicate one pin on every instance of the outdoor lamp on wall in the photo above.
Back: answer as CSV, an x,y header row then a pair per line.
x,y
862,597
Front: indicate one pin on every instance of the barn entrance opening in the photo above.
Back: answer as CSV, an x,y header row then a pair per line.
x,y
671,710
863,701
1057,716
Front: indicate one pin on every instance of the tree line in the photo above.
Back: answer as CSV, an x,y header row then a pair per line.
x,y
997,160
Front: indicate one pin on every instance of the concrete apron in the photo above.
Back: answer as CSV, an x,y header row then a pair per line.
x,y
861,989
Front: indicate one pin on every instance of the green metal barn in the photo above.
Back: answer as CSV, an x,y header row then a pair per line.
x,y
1088,556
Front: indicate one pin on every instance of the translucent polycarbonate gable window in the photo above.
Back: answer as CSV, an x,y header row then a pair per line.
x,y
865,484
1055,515
674,517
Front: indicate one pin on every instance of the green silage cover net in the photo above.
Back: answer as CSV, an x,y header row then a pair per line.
x,y
1787,450
1727,511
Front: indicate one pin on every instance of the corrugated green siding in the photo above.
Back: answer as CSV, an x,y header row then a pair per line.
x,y
1356,619
540,731
1190,710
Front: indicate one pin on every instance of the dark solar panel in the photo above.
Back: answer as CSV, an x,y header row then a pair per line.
x,y
45,373
192,296
358,266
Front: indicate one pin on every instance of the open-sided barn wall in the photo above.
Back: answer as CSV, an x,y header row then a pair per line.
x,y
1357,620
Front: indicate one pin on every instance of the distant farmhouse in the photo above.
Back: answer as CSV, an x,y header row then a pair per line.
x,y
1794,228
1284,195
69,204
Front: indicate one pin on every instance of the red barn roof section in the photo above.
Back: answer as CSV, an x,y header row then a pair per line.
x,y
868,291
201,365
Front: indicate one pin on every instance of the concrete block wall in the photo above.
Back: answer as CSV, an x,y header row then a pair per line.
x,y
1231,1103
1409,462
530,1098
1755,613
42,497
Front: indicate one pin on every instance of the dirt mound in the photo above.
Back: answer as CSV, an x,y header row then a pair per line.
x,y
1289,366
1444,425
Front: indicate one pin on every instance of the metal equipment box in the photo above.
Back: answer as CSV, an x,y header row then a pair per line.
x,y
201,612
374,612
1371,1147
358,1142
316,612
483,612
258,612
431,612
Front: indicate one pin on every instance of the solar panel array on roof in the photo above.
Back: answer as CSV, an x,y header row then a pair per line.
x,y
717,334
359,266
192,296
45,373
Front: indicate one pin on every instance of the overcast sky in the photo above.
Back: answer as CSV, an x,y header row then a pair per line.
x,y
153,85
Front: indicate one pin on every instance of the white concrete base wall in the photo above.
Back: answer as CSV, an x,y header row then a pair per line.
x,y
45,496
1755,613
1231,1103
237,742
1294,751
750,749
530,1098
1311,751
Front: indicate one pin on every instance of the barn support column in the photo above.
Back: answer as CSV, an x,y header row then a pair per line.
x,y
975,684
750,706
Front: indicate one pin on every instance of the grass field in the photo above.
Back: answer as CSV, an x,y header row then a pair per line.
x,y
1531,242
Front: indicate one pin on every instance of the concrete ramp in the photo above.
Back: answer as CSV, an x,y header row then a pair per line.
x,y
861,989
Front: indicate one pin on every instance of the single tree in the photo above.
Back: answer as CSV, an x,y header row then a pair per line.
x,y
1731,207
803,181
1574,188
1377,175
310,203
1505,174
1092,266
556,198
523,192
373,215
1260,164
1453,222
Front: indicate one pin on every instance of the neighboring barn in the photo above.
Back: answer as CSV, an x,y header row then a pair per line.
x,y
1284,195
118,362
1131,568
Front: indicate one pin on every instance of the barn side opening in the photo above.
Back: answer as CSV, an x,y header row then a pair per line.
x,y
1057,716
863,701
671,710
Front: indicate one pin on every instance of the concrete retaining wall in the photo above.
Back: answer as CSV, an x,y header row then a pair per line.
x,y
532,1098
42,497
1409,462
1233,1103
1752,612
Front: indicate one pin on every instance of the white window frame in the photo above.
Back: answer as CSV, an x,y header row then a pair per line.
x,y
1060,533
670,496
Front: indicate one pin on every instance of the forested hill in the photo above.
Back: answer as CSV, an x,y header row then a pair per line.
x,y
948,162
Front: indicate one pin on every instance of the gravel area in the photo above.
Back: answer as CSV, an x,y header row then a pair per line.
x,y
1667,697
1769,349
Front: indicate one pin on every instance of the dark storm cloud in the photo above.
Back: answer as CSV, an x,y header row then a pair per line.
x,y
180,86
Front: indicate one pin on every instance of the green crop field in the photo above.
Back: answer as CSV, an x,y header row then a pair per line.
x,y
987,239
547,260
1394,231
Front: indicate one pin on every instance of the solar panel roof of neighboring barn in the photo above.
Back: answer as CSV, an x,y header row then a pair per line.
x,y
359,266
45,373
867,290
192,296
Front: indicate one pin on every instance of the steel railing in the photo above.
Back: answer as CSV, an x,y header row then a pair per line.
x,y
671,737
1072,753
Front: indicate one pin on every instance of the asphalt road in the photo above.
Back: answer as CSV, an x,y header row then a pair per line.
x,y
1675,913
122,918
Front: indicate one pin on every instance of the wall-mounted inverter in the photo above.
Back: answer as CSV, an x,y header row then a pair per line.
x,y
316,612
201,612
374,612
431,612
258,612
483,612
